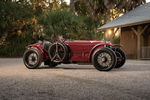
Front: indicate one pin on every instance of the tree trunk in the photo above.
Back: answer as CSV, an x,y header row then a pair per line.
x,y
72,5
61,1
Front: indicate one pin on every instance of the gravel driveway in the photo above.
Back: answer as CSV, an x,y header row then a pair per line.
x,y
74,82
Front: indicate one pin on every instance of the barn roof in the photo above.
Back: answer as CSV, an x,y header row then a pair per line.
x,y
139,15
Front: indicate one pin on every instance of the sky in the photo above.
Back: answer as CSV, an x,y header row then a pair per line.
x,y
147,0
68,1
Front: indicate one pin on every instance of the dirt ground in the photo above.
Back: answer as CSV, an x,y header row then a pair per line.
x,y
74,82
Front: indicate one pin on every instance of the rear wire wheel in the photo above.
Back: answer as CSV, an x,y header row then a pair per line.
x,y
104,59
32,58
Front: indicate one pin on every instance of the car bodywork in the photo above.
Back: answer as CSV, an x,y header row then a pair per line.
x,y
80,50
83,50
75,51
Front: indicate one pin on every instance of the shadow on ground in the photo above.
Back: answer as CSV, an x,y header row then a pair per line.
x,y
67,68
122,69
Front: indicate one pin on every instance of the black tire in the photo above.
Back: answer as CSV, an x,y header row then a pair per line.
x,y
121,57
62,54
32,58
50,64
104,59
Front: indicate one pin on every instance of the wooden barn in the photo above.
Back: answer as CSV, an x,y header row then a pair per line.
x,y
135,32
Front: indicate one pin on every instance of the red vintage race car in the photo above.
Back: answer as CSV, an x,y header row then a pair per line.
x,y
102,54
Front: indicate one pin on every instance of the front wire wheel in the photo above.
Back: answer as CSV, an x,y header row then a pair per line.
x,y
32,58
104,59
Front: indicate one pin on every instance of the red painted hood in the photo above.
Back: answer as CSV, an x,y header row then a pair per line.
x,y
85,42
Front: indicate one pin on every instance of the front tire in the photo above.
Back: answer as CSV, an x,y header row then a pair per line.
x,y
50,64
104,59
32,58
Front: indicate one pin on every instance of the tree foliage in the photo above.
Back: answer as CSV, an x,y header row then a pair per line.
x,y
15,22
64,22
97,8
14,18
12,12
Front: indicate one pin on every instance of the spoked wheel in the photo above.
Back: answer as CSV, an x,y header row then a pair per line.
x,y
32,58
104,59
121,57
57,52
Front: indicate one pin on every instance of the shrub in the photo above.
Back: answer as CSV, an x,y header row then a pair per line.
x,y
14,20
64,22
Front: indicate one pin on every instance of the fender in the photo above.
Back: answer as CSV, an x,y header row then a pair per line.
x,y
37,46
95,48
116,45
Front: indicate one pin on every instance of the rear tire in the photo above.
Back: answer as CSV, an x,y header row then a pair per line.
x,y
104,59
32,58
121,57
